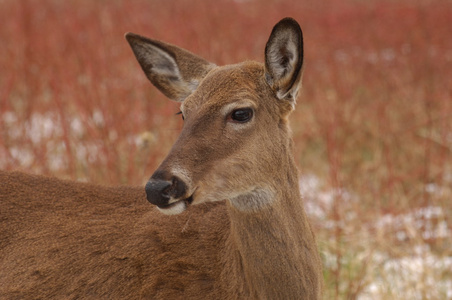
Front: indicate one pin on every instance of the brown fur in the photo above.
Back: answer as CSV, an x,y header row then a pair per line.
x,y
246,234
67,240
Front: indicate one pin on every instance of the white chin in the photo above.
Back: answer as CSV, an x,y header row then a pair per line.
x,y
174,209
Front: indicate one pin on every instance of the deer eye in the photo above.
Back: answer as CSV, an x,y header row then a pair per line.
x,y
241,115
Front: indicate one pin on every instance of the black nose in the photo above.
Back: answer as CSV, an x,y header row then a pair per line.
x,y
157,191
162,187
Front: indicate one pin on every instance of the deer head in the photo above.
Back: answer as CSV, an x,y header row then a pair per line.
x,y
235,143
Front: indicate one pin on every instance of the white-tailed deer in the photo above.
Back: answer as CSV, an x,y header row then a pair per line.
x,y
238,230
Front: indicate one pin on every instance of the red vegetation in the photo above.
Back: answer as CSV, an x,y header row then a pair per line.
x,y
373,119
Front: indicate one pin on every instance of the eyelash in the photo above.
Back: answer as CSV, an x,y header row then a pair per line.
x,y
180,113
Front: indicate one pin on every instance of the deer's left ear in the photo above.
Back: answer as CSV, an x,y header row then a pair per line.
x,y
284,59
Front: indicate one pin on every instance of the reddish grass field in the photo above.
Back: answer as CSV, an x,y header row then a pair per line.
x,y
373,125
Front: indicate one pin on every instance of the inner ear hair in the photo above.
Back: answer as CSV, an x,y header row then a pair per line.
x,y
174,71
284,58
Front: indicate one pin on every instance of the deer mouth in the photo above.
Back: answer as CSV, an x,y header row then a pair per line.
x,y
177,207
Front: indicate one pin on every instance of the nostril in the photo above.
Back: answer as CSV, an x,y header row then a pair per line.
x,y
162,187
157,191
178,188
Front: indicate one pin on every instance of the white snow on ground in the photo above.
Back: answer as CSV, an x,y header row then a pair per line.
x,y
46,128
428,222
420,274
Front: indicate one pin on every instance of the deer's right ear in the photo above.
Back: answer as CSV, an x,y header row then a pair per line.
x,y
174,71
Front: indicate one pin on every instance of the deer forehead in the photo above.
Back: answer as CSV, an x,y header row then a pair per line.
x,y
229,87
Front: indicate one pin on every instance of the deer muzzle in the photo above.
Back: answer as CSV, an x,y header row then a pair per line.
x,y
166,191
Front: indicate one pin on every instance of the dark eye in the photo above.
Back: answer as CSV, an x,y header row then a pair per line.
x,y
241,115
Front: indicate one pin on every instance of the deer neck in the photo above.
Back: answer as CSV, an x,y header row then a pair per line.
x,y
273,253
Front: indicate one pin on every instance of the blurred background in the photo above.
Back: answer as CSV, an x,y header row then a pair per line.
x,y
373,125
